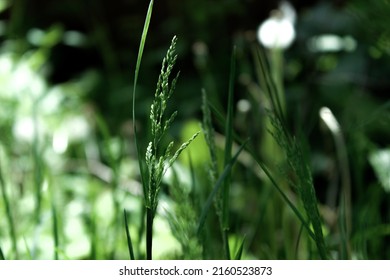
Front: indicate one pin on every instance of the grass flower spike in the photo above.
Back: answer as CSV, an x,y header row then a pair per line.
x,y
159,159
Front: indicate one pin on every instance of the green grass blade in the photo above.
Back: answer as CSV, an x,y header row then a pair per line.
x,y
228,144
142,169
206,207
138,65
228,156
55,230
285,198
2,258
240,250
128,237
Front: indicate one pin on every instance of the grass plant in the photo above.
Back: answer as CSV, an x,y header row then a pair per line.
x,y
294,156
158,159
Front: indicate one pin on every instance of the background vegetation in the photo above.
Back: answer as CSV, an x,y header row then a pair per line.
x,y
68,162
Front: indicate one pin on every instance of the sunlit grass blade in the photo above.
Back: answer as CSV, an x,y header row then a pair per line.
x,y
238,254
2,258
128,237
218,184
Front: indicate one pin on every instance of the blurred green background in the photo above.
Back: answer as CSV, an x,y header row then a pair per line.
x,y
66,79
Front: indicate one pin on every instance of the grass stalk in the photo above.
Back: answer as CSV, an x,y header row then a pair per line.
x,y
228,156
149,233
128,237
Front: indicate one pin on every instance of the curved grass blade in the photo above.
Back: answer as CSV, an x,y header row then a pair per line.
x,y
240,250
138,65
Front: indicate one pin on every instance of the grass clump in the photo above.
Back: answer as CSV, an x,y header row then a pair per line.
x,y
294,156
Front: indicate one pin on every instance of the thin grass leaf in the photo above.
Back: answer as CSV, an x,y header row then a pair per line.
x,y
143,171
128,237
228,156
228,144
238,254
2,258
285,198
137,68
218,184
298,241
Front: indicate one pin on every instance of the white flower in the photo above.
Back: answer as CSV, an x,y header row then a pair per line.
x,y
278,30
